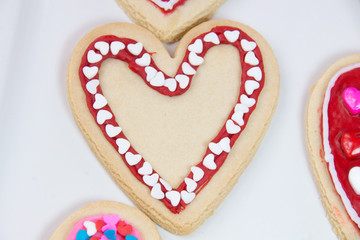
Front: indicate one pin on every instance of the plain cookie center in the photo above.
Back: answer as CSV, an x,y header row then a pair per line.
x,y
173,133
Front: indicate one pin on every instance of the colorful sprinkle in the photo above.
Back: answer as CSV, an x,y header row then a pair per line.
x,y
99,225
110,234
111,221
351,98
130,237
124,229
90,228
350,143
82,235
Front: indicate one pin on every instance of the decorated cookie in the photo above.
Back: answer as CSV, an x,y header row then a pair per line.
x,y
174,133
169,19
107,220
333,134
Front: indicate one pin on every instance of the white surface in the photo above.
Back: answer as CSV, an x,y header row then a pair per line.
x,y
47,170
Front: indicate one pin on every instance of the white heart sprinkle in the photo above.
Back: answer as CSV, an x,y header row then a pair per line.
x,y
146,169
354,179
212,37
251,59
183,80
251,86
190,184
90,228
132,159
102,116
135,48
238,118
249,102
209,162
112,131
194,59
174,197
92,85
144,60
255,72
231,127
103,47
123,145
158,80
165,184
90,72
165,5
232,36
156,192
151,180
116,46
198,173
187,69
100,101
215,148
187,197
170,83
93,57
241,108
150,73
196,47
247,45
225,144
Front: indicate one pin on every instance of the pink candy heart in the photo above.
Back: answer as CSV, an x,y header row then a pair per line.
x,y
110,221
351,98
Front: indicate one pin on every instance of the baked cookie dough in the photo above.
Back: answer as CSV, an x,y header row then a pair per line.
x,y
169,19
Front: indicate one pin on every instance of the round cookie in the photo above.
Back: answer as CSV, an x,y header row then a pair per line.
x,y
175,133
331,126
169,19
109,219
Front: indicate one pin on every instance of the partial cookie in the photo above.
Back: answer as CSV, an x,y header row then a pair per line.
x,y
169,19
107,220
333,127
174,133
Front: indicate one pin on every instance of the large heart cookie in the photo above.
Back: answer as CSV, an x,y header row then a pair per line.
x,y
169,19
174,133
333,126
107,220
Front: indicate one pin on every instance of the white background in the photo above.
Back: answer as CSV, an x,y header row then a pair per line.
x,y
47,170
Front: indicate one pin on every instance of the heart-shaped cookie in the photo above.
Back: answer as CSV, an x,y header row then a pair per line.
x,y
332,134
169,19
107,220
185,127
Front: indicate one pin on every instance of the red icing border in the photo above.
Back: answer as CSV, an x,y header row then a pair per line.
x,y
178,4
125,55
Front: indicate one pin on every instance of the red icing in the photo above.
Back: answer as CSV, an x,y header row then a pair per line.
x,y
94,238
343,129
125,55
179,3
124,229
